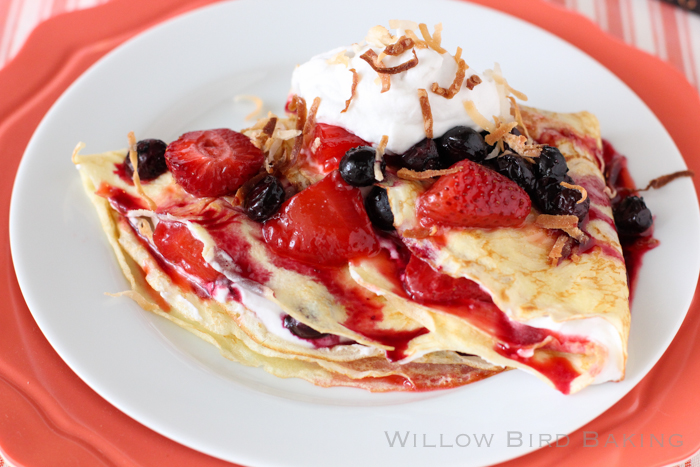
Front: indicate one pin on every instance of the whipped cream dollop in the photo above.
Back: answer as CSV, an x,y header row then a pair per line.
x,y
397,112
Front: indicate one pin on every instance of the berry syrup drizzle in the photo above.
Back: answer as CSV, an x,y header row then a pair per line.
x,y
633,248
414,280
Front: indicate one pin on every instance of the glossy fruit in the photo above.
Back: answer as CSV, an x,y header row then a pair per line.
x,y
423,156
461,143
334,142
357,166
300,329
177,245
474,197
325,224
425,285
378,209
632,216
151,159
553,198
213,162
264,199
517,169
551,164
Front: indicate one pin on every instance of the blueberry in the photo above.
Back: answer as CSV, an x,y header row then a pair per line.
x,y
461,143
423,156
552,198
357,166
632,217
517,169
378,209
489,147
151,159
551,164
264,199
300,329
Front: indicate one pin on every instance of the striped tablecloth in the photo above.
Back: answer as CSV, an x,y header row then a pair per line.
x,y
661,29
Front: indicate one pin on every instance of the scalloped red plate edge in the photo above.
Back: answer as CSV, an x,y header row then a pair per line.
x,y
44,400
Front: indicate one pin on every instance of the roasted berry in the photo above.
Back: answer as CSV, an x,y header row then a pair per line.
x,y
333,143
213,162
300,329
551,164
489,147
357,166
324,224
378,209
423,156
461,143
632,217
475,196
553,198
517,169
264,199
151,159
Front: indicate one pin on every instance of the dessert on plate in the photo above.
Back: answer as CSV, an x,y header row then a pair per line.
x,y
407,225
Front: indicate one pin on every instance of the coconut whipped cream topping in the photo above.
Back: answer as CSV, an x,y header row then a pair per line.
x,y
397,112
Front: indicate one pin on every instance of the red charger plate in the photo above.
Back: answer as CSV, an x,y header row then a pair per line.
x,y
48,416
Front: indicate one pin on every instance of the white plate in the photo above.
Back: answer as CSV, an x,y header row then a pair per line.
x,y
183,75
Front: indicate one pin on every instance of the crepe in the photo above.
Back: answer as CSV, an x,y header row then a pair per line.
x,y
242,312
583,299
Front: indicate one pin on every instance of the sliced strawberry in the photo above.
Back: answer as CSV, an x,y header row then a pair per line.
x,y
426,285
213,162
177,245
334,143
474,197
326,224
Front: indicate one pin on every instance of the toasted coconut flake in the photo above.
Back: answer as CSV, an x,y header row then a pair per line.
x,y
549,221
408,174
568,224
476,116
133,157
75,157
558,248
285,135
611,192
472,81
522,146
427,113
582,190
666,179
379,157
300,105
145,229
458,55
500,131
256,100
419,44
499,79
370,56
456,84
431,41
518,116
379,36
355,80
400,46
339,59
316,144
402,24
310,124
416,233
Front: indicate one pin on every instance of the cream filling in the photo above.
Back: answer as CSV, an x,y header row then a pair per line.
x,y
597,330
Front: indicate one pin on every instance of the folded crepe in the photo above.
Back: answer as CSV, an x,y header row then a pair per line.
x,y
565,320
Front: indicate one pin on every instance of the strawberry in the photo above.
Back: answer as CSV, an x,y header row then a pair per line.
x,y
213,162
177,245
325,224
425,285
474,197
334,143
